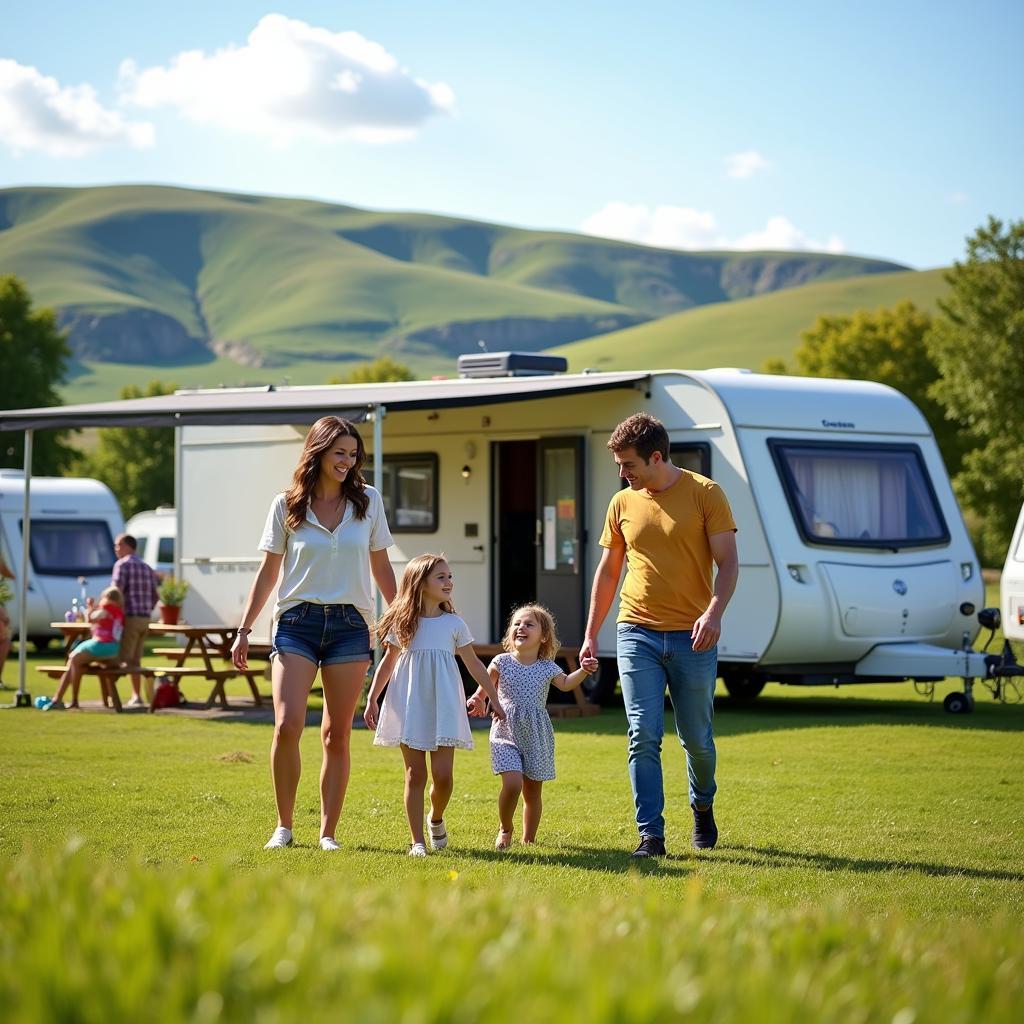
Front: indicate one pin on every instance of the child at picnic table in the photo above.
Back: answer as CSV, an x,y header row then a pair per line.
x,y
425,707
522,740
107,625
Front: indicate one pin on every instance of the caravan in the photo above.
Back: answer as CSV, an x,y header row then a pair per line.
x,y
855,562
154,531
1011,602
74,523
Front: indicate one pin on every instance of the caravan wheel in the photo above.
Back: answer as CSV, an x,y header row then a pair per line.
x,y
957,704
742,686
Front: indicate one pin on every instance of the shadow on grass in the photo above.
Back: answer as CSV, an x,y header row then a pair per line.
x,y
776,857
592,858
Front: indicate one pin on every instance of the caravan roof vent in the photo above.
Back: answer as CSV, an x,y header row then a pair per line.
x,y
511,364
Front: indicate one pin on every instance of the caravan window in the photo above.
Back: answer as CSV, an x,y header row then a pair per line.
x,y
71,547
692,455
409,490
860,495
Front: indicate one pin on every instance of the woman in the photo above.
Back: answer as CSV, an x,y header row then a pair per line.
x,y
328,532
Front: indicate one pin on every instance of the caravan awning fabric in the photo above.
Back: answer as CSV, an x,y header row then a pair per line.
x,y
306,404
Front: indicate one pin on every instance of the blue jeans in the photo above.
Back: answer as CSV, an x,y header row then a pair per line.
x,y
650,659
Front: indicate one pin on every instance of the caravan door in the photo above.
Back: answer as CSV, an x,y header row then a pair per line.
x,y
560,557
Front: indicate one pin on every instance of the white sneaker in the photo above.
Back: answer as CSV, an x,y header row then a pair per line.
x,y
417,850
438,834
55,705
135,702
281,838
329,843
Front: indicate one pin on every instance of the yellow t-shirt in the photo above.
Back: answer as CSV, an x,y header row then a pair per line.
x,y
668,581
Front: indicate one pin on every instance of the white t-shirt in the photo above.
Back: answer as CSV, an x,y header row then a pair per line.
x,y
323,567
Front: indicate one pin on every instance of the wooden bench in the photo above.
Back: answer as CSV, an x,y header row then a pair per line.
x,y
571,656
109,673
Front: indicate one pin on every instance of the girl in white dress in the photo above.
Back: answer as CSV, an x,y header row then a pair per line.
x,y
523,742
425,707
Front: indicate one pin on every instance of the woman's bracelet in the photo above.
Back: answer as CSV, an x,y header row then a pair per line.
x,y
243,631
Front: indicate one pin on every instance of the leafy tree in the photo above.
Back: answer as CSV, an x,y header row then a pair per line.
x,y
136,463
978,347
34,356
887,345
377,372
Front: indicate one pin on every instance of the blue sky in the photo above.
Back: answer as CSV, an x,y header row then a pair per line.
x,y
882,129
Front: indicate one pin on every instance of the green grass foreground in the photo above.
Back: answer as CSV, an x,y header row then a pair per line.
x,y
869,868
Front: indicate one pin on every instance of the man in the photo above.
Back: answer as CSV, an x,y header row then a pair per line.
x,y
137,581
667,527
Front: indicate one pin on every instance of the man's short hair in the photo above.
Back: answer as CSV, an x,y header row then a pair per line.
x,y
642,432
128,539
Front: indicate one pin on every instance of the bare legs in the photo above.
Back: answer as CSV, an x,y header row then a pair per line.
x,y
442,763
292,680
512,785
342,686
73,676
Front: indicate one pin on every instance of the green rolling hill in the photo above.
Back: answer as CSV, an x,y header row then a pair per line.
x,y
209,287
749,331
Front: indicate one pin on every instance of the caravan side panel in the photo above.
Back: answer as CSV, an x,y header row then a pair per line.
x,y
693,412
230,475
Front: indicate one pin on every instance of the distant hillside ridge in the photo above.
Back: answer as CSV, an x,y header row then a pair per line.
x,y
164,277
750,331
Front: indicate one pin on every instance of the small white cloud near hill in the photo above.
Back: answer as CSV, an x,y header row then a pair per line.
x,y
681,227
746,164
780,233
289,80
37,113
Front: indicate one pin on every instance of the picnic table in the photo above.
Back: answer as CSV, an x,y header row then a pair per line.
x,y
205,642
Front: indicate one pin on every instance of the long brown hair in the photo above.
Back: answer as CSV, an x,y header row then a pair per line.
x,y
321,437
403,614
548,636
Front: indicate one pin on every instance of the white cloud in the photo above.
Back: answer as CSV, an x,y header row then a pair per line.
x,y
746,164
290,80
38,113
780,233
673,227
682,227
958,198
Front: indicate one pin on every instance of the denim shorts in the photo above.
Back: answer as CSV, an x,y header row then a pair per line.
x,y
325,634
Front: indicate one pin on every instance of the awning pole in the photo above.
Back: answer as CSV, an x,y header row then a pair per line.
x,y
378,479
22,699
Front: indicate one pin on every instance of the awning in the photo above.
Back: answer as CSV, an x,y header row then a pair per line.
x,y
306,404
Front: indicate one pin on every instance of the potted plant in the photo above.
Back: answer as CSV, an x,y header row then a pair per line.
x,y
172,593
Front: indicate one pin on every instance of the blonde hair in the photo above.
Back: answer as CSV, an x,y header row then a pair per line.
x,y
112,594
549,644
403,614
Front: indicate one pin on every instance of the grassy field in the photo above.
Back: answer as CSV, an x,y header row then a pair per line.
x,y
749,331
870,867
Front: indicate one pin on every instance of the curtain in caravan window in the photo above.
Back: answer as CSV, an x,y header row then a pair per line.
x,y
843,496
862,494
894,499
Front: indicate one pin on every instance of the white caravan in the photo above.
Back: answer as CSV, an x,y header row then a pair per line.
x,y
155,531
74,523
855,562
1011,599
